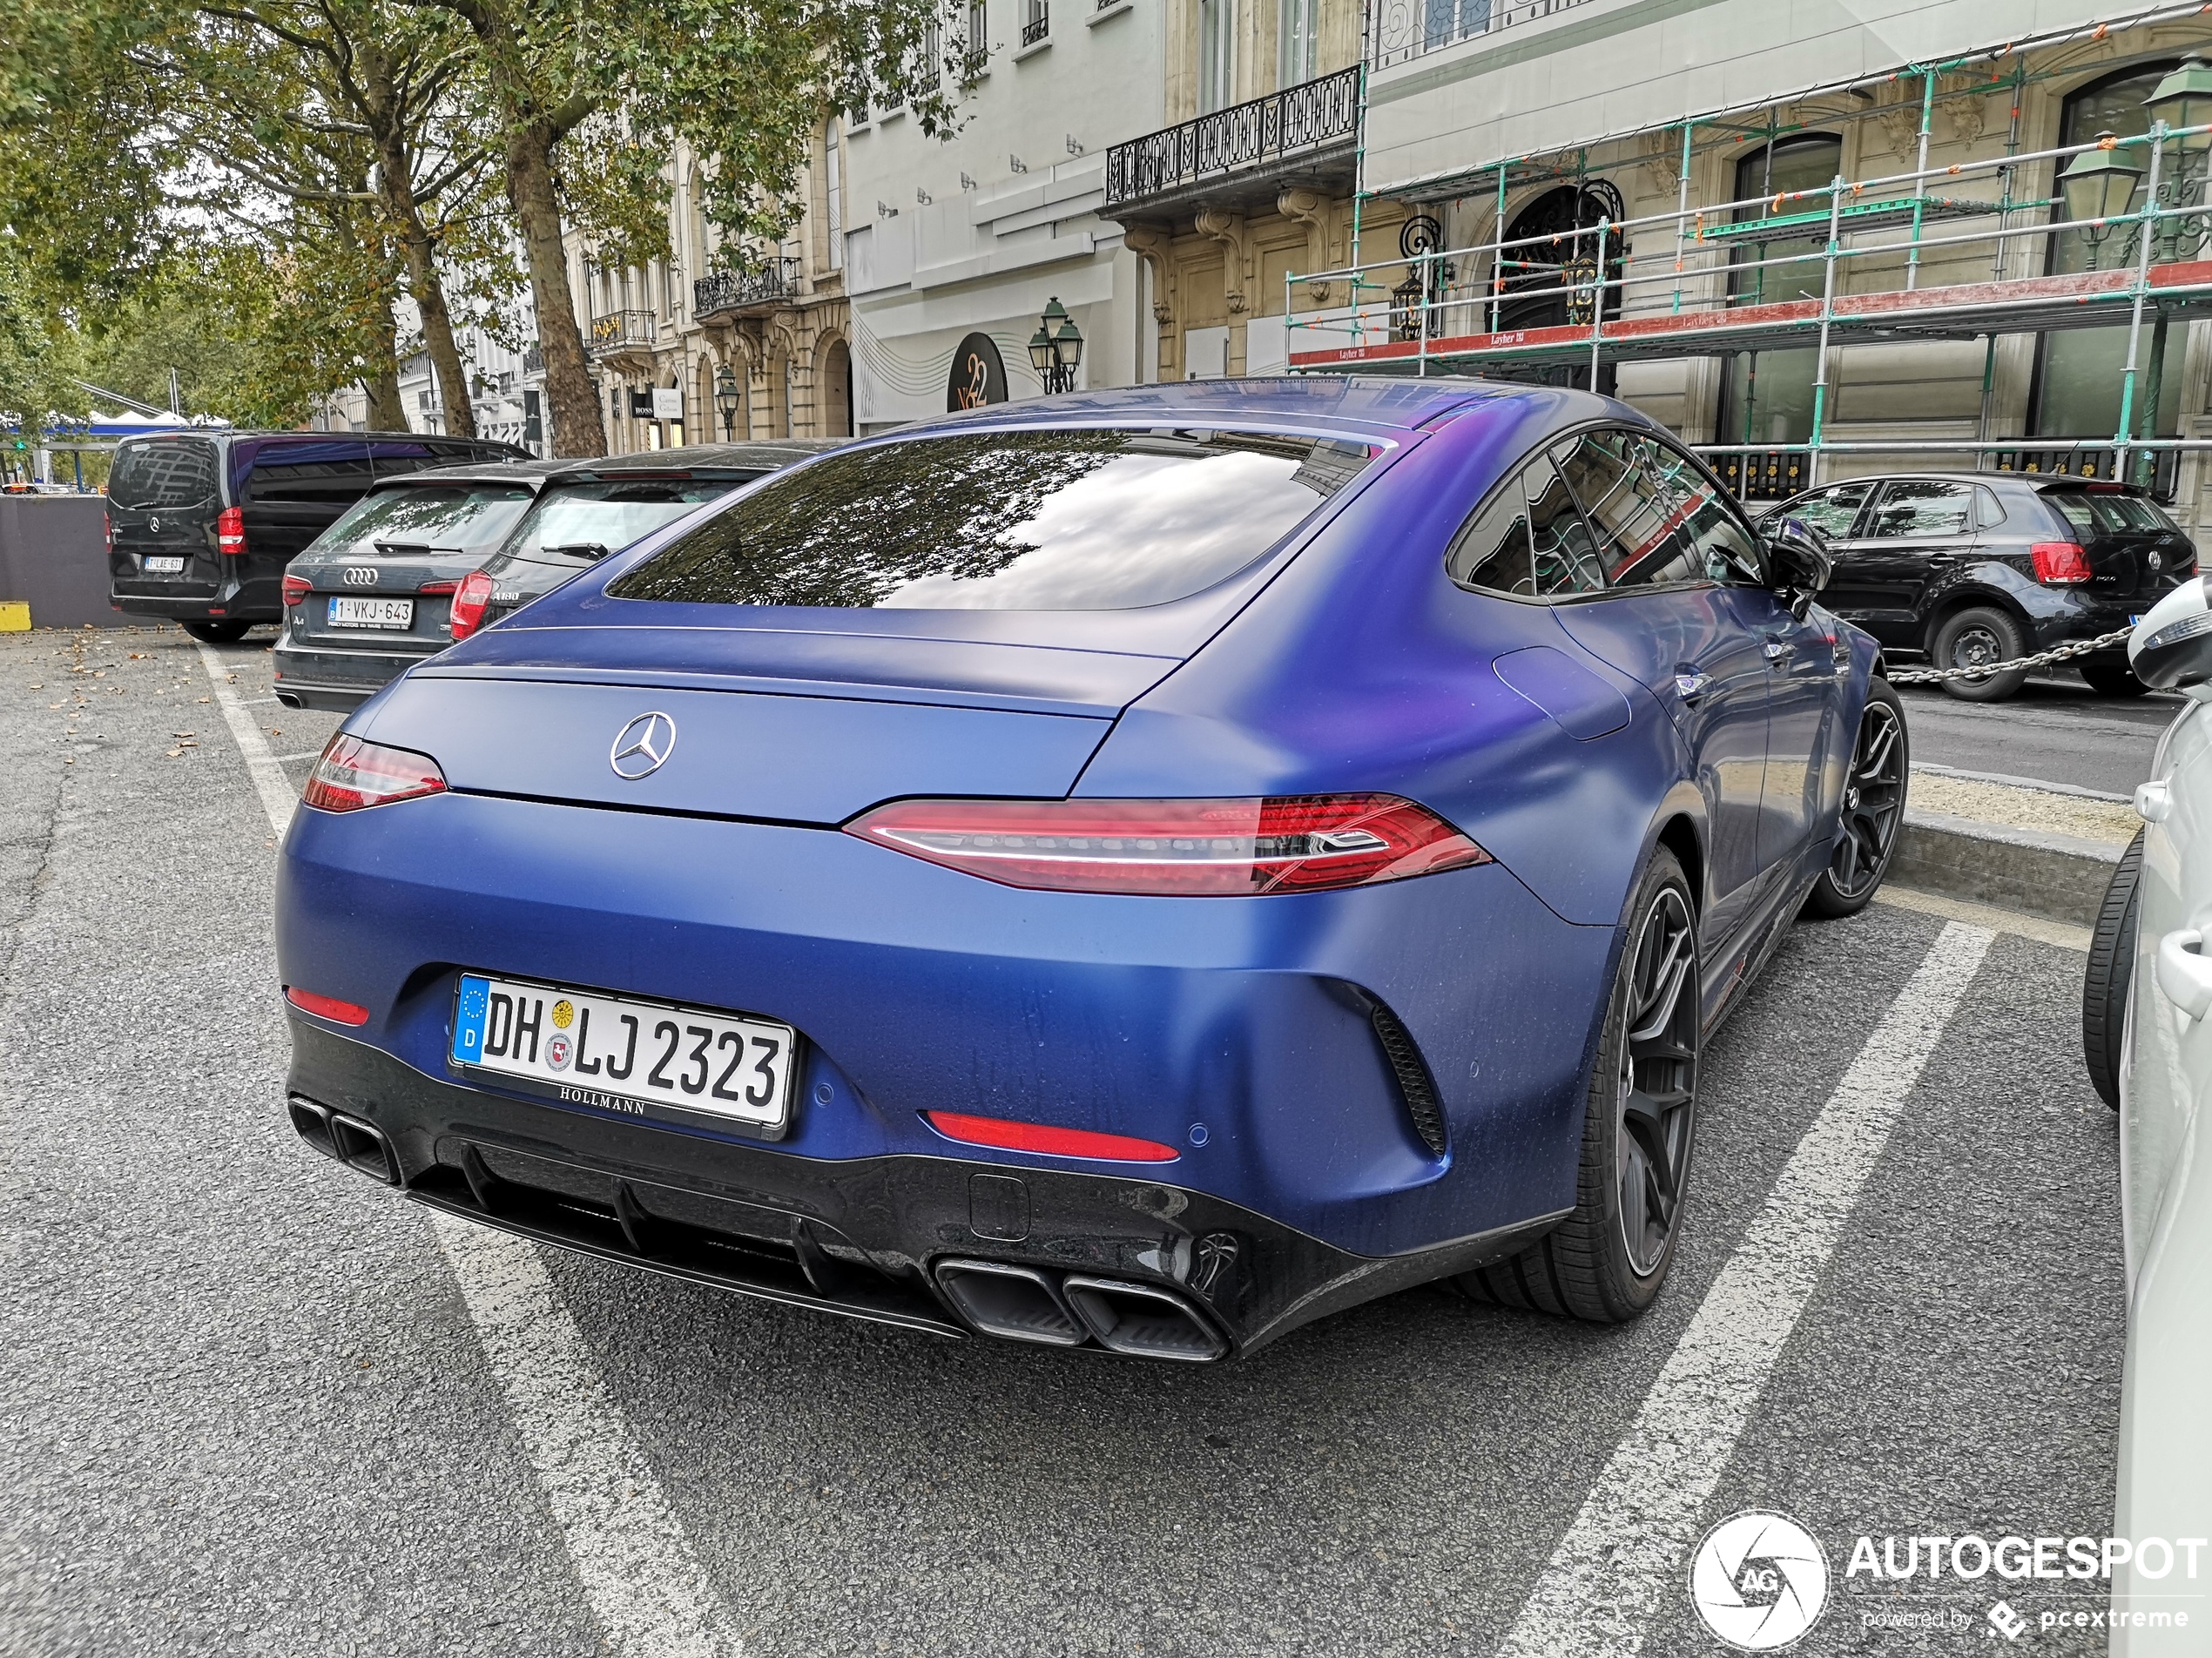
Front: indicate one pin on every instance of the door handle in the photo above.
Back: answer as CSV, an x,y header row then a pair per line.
x,y
1691,686
2184,974
1775,650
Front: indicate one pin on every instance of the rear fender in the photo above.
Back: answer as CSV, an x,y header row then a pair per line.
x,y
1993,582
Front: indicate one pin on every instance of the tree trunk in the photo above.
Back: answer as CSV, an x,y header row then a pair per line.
x,y
571,396
395,186
380,382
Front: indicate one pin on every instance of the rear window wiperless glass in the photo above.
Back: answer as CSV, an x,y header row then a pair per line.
x,y
2092,510
606,516
455,515
171,472
1011,520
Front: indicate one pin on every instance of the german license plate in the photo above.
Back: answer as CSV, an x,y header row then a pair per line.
x,y
372,613
158,565
618,1054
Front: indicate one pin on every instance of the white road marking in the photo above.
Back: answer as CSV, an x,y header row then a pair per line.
x,y
640,1573
1628,1542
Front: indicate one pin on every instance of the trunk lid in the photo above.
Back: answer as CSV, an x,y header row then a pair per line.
x,y
163,497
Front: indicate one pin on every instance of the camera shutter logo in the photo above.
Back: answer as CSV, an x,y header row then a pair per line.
x,y
642,747
1760,1580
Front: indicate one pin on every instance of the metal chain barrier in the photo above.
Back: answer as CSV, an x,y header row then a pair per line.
x,y
2041,659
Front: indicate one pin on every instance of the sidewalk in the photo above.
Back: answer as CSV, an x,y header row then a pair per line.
x,y
2011,842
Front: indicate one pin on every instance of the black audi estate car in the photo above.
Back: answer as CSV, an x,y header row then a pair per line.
x,y
200,524
1987,567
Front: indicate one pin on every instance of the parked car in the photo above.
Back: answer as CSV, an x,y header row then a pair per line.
x,y
202,525
2147,1034
594,508
1988,567
1140,871
372,597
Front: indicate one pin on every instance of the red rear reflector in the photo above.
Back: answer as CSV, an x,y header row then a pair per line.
x,y
296,588
230,532
351,774
1176,848
470,600
1055,1143
2059,563
326,1007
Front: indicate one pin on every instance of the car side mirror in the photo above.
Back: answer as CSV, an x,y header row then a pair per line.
x,y
2171,649
1798,563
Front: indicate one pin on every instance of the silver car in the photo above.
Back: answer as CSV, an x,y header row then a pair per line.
x,y
2147,1031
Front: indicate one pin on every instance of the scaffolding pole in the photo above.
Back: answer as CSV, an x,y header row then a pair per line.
x,y
1827,314
2145,235
1920,178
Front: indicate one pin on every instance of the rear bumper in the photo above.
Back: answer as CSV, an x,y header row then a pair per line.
x,y
861,1236
308,676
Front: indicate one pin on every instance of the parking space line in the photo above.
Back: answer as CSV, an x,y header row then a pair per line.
x,y
1604,1580
640,1573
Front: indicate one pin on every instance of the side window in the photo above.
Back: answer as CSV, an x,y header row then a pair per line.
x,y
1990,508
1718,544
1527,540
1635,506
1831,511
309,474
1920,509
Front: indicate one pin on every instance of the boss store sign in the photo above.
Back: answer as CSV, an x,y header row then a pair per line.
x,y
656,403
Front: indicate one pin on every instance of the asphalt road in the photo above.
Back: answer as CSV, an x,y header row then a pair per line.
x,y
248,1409
2056,730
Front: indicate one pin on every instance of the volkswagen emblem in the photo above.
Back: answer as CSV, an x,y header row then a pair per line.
x,y
643,746
361,575
2155,561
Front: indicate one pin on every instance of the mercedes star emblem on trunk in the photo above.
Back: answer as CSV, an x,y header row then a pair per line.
x,y
643,746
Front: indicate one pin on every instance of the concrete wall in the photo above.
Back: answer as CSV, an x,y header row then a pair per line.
x,y
53,554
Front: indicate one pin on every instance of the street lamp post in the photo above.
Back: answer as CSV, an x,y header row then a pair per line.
x,y
726,399
1057,348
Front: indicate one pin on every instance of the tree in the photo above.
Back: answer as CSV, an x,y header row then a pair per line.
x,y
592,97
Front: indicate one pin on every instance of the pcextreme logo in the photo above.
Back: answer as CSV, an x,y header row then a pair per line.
x,y
1760,1580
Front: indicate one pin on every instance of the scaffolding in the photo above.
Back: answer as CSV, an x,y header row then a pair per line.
x,y
1670,285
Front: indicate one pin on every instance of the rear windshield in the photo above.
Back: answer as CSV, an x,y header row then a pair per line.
x,y
1012,521
457,516
2093,512
172,472
605,517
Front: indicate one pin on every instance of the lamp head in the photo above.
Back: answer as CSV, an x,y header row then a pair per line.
x,y
2183,98
1040,352
2099,182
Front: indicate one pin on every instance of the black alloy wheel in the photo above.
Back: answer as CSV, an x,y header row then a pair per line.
x,y
2110,975
1607,1259
1980,637
1657,1082
2114,680
1872,814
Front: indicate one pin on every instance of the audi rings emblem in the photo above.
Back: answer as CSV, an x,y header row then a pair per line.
x,y
643,746
361,575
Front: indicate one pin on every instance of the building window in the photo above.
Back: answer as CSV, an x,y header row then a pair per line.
x,y
1296,30
833,194
1036,21
1766,396
2079,372
979,43
1445,21
1217,45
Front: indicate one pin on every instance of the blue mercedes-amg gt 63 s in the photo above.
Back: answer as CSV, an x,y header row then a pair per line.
x,y
1136,870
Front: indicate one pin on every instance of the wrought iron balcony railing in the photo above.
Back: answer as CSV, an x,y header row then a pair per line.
x,y
1407,29
1038,25
533,358
624,330
1297,120
776,282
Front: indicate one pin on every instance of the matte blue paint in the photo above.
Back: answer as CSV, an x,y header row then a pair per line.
x,y
1239,1028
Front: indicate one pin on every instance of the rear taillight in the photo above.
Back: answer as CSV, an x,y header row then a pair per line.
x,y
107,523
470,599
1176,848
230,532
2059,563
326,1007
296,588
351,774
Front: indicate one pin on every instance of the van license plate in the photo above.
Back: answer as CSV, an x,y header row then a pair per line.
x,y
390,614
156,566
645,1058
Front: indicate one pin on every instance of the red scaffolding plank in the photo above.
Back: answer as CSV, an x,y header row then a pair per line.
x,y
2032,304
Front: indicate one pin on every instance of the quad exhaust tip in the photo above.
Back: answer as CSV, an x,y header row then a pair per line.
x,y
1139,1320
1016,1302
357,1144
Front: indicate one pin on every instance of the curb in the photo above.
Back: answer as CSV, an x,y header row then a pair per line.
x,y
2061,878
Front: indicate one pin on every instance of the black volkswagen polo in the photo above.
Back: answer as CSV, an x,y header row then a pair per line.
x,y
1979,568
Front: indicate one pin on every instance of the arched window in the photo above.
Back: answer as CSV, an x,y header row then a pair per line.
x,y
833,194
2079,372
1766,396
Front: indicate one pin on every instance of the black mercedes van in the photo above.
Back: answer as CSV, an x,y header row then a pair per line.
x,y
200,524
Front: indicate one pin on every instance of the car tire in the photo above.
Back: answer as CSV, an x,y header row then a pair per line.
x,y
1870,821
1606,1262
1982,633
218,632
2112,680
2111,974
